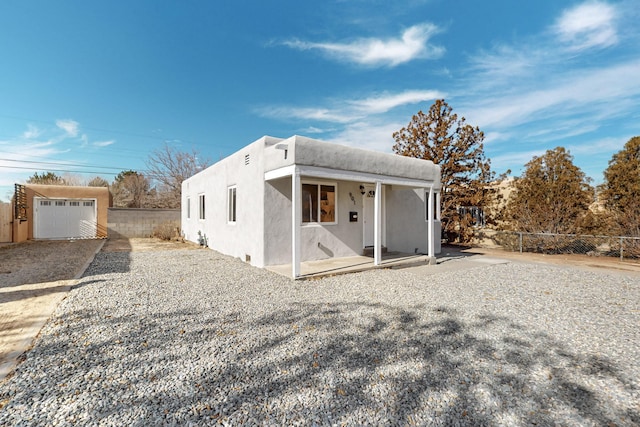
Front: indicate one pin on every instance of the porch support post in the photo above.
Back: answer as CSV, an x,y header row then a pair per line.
x,y
377,230
431,237
296,220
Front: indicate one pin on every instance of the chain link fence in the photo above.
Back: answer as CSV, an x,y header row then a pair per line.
x,y
625,248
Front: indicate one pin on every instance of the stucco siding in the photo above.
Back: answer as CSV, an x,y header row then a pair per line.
x,y
100,194
342,239
407,228
277,221
318,241
310,152
262,233
243,239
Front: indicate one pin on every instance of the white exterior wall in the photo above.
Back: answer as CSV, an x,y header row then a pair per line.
x,y
407,226
263,227
318,241
244,237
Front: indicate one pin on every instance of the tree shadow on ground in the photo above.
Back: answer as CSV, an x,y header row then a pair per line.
x,y
317,364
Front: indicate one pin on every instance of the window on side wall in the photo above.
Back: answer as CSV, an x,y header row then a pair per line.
x,y
188,208
202,213
231,204
318,203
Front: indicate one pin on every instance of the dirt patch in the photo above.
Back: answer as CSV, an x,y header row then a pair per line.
x,y
145,244
34,277
584,261
44,260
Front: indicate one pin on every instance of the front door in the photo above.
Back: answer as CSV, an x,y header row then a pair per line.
x,y
368,218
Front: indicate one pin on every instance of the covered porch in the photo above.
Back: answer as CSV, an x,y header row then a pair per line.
x,y
298,268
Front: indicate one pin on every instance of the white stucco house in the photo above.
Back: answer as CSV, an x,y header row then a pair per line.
x,y
286,201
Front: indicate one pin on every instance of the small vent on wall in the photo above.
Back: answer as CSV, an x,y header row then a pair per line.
x,y
247,159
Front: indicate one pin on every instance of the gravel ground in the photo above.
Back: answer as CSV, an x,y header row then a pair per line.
x,y
197,338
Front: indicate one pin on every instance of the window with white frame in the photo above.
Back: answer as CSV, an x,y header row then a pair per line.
x,y
201,206
231,204
188,207
319,203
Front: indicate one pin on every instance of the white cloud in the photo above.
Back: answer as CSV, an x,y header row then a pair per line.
x,y
313,130
493,137
305,113
588,25
371,135
38,149
386,102
504,63
413,44
104,143
20,155
31,132
598,93
350,110
69,126
598,146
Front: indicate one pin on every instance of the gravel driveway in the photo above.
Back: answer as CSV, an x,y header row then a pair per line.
x,y
197,338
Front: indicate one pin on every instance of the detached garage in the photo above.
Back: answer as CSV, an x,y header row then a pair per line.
x,y
60,212
64,218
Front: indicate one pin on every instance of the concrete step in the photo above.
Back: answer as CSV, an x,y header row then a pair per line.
x,y
368,251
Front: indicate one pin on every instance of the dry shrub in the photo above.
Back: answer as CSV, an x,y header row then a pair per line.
x,y
166,231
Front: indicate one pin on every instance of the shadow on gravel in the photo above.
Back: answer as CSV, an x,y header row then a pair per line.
x,y
118,262
313,364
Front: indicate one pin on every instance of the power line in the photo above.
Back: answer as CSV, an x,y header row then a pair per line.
x,y
59,170
59,164
90,128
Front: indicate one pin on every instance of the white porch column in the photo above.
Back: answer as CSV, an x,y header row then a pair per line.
x,y
438,208
296,220
430,243
377,228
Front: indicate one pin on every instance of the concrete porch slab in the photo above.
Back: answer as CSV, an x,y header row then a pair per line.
x,y
334,266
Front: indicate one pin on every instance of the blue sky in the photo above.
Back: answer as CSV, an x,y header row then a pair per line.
x,y
93,87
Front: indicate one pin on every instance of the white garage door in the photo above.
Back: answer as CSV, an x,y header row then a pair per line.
x,y
64,218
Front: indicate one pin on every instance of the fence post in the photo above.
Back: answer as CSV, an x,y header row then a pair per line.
x,y
520,242
621,249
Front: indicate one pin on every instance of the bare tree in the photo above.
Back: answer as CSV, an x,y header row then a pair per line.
x,y
169,167
98,181
72,179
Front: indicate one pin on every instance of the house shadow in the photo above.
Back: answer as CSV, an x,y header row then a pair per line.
x,y
116,252
451,252
313,364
